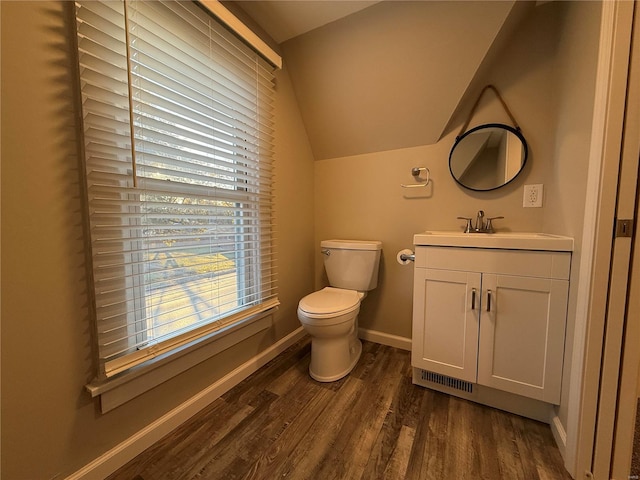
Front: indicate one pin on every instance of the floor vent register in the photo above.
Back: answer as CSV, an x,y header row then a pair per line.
x,y
446,381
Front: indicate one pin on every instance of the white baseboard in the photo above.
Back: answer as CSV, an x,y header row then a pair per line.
x,y
375,336
559,435
118,456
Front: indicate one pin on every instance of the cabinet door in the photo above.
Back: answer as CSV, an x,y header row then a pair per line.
x,y
445,324
522,327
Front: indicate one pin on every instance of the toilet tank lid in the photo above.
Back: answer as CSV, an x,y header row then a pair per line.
x,y
352,244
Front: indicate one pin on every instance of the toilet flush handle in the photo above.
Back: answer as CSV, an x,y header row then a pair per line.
x,y
326,251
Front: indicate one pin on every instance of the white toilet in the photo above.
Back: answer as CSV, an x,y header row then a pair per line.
x,y
330,315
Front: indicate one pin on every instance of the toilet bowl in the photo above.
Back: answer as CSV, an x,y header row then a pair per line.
x,y
330,315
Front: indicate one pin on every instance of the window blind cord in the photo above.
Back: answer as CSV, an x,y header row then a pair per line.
x,y
134,172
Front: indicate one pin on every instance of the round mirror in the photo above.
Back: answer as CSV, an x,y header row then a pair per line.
x,y
488,156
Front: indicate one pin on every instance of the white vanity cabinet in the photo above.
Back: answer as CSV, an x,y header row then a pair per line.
x,y
491,316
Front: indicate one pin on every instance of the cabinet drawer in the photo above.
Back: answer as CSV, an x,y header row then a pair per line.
x,y
543,264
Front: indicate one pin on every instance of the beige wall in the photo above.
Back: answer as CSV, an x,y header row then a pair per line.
x,y
360,196
50,426
294,204
391,75
566,189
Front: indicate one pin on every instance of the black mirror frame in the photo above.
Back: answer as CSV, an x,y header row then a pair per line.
x,y
515,131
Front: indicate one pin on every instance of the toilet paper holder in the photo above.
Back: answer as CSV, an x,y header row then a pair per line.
x,y
416,171
408,256
405,256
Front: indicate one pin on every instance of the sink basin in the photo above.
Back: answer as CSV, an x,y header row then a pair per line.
x,y
507,240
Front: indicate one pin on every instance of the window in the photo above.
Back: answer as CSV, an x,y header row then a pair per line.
x,y
178,145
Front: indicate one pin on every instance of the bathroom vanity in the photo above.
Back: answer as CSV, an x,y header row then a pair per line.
x,y
489,317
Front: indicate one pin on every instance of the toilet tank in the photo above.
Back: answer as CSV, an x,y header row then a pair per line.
x,y
352,264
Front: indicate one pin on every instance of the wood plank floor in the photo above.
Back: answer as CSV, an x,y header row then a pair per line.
x,y
373,424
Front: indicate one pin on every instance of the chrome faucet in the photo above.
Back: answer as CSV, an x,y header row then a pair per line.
x,y
480,221
482,225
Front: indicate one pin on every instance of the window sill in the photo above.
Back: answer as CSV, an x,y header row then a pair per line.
x,y
118,390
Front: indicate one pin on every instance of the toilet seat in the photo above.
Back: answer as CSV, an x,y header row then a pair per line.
x,y
330,302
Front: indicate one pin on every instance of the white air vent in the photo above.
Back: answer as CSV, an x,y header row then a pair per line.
x,y
446,381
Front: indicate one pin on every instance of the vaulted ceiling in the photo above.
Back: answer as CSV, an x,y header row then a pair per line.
x,y
387,76
287,19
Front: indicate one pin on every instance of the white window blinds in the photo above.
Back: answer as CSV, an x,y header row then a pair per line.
x,y
180,215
